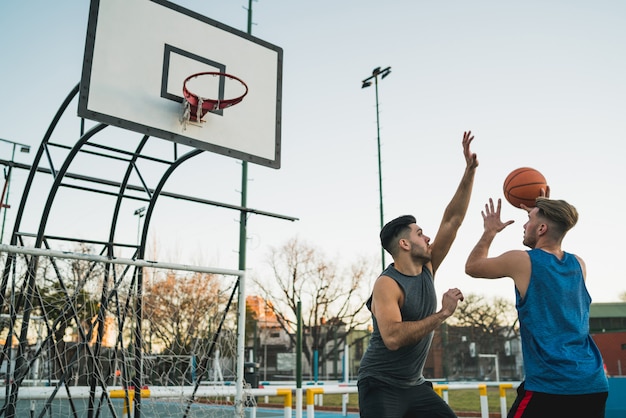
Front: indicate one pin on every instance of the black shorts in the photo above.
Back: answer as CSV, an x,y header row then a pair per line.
x,y
380,400
529,404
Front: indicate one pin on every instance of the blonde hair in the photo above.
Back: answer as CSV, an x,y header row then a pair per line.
x,y
563,215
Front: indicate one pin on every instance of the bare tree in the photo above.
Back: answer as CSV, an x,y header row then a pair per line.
x,y
490,319
332,301
480,325
487,323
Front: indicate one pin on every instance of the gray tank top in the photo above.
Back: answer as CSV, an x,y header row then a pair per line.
x,y
402,367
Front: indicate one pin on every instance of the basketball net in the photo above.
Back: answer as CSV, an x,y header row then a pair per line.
x,y
188,105
185,114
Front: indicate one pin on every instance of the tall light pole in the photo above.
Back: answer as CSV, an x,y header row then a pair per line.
x,y
140,214
4,203
366,83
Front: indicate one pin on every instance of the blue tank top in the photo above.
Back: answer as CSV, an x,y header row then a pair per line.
x,y
402,367
560,357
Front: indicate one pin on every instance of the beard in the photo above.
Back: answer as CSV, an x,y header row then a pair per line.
x,y
420,254
530,242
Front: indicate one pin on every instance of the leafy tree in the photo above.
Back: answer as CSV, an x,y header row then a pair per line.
x,y
251,323
182,311
65,298
332,301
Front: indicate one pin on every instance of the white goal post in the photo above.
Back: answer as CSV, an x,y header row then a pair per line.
x,y
241,314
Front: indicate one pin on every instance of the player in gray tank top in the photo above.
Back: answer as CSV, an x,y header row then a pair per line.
x,y
404,312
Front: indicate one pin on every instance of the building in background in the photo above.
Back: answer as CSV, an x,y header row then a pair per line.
x,y
607,324
457,353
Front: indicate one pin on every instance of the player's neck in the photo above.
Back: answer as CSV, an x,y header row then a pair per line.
x,y
552,248
408,267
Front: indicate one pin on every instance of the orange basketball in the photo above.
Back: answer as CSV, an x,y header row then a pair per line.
x,y
523,186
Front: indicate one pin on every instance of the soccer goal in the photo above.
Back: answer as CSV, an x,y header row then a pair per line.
x,y
85,335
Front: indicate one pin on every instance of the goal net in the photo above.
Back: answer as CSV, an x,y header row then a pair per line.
x,y
85,335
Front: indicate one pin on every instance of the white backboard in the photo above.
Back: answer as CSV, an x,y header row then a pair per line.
x,y
139,52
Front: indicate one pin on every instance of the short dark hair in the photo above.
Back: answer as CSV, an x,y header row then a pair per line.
x,y
393,229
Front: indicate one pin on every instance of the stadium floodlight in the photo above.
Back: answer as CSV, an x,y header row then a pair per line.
x,y
366,83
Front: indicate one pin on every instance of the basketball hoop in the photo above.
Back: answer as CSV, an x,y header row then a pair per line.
x,y
195,106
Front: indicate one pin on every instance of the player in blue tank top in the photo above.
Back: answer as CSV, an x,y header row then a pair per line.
x,y
564,368
404,316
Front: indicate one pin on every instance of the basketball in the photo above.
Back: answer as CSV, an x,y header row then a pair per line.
x,y
523,186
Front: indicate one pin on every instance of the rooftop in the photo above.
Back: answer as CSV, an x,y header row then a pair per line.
x,y
608,310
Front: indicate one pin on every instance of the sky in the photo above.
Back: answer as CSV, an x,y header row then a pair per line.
x,y
539,84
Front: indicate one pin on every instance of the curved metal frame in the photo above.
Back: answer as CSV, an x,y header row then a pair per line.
x,y
25,303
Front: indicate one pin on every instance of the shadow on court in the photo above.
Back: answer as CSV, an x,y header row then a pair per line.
x,y
63,408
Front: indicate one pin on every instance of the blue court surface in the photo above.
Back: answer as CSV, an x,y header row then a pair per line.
x,y
152,409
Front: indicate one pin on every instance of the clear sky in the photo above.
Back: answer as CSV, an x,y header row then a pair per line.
x,y
539,83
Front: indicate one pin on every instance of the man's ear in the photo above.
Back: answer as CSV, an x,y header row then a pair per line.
x,y
543,229
404,244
